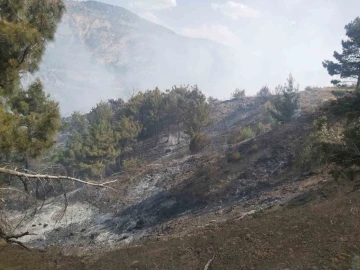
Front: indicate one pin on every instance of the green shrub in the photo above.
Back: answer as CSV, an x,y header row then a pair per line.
x,y
199,142
130,163
241,134
285,103
263,128
254,148
238,94
338,92
182,153
233,157
264,92
248,133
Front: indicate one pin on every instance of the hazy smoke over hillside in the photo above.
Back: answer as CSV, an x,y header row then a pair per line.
x,y
104,52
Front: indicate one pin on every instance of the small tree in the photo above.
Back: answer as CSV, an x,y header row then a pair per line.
x,y
195,112
264,92
238,94
348,62
286,101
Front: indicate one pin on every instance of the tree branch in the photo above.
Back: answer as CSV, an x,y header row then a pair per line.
x,y
53,177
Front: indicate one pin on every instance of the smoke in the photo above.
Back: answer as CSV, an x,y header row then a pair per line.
x,y
84,66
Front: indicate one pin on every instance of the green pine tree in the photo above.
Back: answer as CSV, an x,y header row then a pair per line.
x,y
29,119
285,103
347,63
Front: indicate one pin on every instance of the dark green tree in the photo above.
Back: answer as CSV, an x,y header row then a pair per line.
x,y
38,121
26,26
347,63
195,112
264,92
238,94
29,119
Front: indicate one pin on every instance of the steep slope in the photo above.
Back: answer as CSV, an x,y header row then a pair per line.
x,y
261,211
102,51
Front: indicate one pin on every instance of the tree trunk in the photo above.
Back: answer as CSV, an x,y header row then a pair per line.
x,y
178,133
168,138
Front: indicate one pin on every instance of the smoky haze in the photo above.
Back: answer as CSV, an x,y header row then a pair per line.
x,y
103,52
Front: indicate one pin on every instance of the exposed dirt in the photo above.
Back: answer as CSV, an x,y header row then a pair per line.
x,y
317,230
260,211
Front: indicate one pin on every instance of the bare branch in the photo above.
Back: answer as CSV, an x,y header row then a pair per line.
x,y
53,177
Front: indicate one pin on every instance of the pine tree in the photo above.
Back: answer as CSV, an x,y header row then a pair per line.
x,y
195,112
26,26
29,119
286,101
348,62
38,120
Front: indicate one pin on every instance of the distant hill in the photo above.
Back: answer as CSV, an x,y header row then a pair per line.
x,y
102,51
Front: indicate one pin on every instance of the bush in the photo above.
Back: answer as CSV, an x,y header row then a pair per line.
x,y
248,133
130,163
254,148
238,94
262,128
338,93
233,157
241,134
199,142
286,101
264,92
309,88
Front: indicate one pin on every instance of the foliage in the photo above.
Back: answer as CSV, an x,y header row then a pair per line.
x,y
29,120
264,92
254,148
262,128
241,134
99,140
347,63
286,101
309,88
199,142
211,100
131,163
238,94
233,156
247,133
338,92
337,141
195,111
322,143
25,29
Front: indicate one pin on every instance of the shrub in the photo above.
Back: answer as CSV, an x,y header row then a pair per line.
x,y
241,134
286,101
247,133
199,142
238,94
233,157
309,88
338,93
254,148
264,92
130,163
263,128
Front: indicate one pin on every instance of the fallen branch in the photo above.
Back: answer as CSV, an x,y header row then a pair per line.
x,y
208,263
11,239
52,177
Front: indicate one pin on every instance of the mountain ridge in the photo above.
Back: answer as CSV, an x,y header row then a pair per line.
x,y
103,51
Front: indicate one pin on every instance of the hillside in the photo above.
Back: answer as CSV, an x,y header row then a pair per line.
x,y
178,210
102,51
